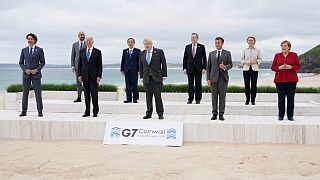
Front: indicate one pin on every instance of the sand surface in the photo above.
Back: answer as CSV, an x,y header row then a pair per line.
x,y
25,160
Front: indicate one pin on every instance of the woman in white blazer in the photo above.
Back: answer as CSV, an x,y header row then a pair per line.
x,y
251,58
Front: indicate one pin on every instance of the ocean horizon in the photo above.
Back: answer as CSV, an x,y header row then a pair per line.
x,y
61,74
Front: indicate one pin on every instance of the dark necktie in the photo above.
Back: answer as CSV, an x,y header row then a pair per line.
x,y
219,55
81,45
130,53
30,53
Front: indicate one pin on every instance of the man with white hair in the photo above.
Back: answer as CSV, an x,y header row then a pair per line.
x,y
90,73
153,70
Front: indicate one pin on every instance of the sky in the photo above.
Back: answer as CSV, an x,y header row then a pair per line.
x,y
168,22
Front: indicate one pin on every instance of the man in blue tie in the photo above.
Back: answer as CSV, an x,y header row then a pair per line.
x,y
31,63
130,69
90,73
153,70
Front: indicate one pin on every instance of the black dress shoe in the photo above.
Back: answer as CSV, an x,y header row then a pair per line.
x,y
40,114
290,119
146,117
85,115
246,103
135,101
161,117
280,118
253,103
77,100
197,102
214,117
221,118
95,115
189,102
23,113
127,101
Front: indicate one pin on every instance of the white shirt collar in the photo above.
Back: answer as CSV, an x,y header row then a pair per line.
x,y
32,46
151,50
131,49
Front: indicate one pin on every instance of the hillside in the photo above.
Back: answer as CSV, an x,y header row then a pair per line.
x,y
310,61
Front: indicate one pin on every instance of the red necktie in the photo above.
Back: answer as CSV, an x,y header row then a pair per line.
x,y
193,51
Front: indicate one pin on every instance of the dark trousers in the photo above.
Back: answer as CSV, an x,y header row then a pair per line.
x,y
250,84
36,84
91,91
286,89
131,79
195,86
153,89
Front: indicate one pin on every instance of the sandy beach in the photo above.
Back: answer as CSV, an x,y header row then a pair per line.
x,y
91,160
305,81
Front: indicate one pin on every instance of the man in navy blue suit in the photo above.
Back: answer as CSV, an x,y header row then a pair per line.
x,y
31,63
130,69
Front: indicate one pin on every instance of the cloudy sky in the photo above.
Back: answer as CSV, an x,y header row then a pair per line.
x,y
168,22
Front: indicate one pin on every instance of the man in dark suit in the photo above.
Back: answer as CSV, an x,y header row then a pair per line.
x,y
153,70
219,62
31,62
130,69
194,65
90,73
75,54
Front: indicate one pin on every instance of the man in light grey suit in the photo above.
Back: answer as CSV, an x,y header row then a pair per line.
x,y
31,62
153,70
219,62
75,55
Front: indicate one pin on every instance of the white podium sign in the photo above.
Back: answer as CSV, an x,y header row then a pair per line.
x,y
144,133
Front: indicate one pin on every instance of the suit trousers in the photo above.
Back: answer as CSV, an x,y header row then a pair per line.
x,y
286,89
36,84
78,84
195,86
219,89
131,79
250,84
153,89
91,91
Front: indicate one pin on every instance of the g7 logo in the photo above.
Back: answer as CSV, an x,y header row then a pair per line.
x,y
128,132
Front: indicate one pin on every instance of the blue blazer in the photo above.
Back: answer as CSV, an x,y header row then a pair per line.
x,y
37,61
130,63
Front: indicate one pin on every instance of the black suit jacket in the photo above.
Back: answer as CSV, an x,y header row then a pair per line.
x,y
157,67
196,64
130,63
91,69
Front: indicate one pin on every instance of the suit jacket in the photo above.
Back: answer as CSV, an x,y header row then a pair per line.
x,y
93,68
196,64
157,67
37,61
75,53
130,63
286,75
213,69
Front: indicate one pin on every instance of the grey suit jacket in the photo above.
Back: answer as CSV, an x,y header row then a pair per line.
x,y
157,67
75,53
213,69
37,61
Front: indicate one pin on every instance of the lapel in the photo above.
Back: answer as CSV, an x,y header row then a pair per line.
x,y
128,52
34,52
222,54
198,47
78,46
92,53
153,53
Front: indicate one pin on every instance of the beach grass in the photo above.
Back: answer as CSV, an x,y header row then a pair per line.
x,y
168,88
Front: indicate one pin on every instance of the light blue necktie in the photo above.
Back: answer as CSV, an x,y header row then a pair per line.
x,y
88,55
148,57
130,53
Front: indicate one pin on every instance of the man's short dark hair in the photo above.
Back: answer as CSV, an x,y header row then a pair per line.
x,y
33,36
220,38
131,39
195,34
